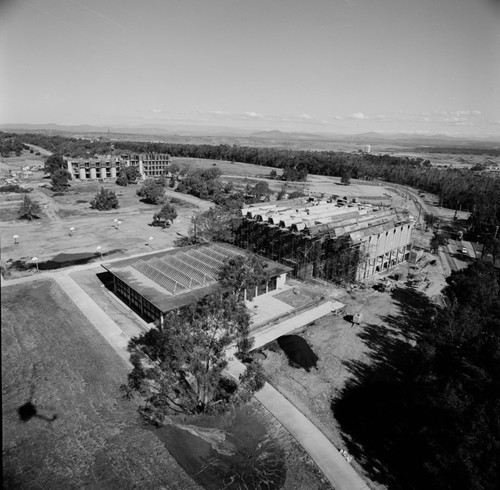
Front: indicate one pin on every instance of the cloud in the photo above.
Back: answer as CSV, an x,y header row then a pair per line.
x,y
307,117
253,115
465,113
358,115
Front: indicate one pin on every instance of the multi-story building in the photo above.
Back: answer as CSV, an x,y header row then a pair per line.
x,y
327,240
150,165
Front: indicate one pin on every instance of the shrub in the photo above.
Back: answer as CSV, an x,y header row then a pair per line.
x,y
29,209
151,192
165,216
104,200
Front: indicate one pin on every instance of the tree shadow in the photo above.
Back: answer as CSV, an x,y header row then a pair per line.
x,y
378,408
28,410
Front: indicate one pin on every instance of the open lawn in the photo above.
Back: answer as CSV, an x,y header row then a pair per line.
x,y
226,167
49,235
83,433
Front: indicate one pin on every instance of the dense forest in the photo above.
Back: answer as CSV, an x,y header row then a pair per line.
x,y
425,413
457,188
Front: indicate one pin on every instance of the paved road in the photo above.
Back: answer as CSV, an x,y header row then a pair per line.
x,y
454,259
202,204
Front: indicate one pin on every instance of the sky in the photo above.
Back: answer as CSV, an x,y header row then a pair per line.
x,y
318,66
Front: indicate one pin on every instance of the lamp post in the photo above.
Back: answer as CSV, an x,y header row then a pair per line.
x,y
98,248
35,260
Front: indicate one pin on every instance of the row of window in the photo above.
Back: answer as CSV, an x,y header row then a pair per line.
x,y
136,301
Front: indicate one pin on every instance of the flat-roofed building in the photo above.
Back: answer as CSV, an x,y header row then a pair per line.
x,y
327,240
160,282
150,165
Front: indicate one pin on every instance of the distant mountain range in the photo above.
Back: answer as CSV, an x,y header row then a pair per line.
x,y
216,135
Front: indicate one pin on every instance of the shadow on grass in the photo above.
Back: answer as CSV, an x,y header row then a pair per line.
x,y
378,409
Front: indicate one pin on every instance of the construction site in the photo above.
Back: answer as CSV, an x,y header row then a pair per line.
x,y
328,240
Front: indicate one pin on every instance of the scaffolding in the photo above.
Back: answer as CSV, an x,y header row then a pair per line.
x,y
325,256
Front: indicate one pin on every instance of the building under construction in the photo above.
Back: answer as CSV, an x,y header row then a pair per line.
x,y
330,241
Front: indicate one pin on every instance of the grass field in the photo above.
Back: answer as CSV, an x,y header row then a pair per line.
x,y
226,167
53,358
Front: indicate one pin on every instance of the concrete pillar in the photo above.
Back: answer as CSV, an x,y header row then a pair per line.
x,y
93,173
141,169
82,174
103,172
113,172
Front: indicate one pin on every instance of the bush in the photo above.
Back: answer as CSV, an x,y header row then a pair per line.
x,y
151,192
14,188
104,200
165,216
29,209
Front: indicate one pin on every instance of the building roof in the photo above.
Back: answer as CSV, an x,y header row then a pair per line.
x,y
322,218
177,277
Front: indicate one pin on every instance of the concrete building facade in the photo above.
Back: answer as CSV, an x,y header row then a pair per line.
x,y
150,165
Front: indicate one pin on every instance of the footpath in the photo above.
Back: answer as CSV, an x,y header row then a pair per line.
x,y
102,323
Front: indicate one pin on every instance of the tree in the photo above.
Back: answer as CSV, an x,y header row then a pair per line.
x,y
128,175
60,179
29,209
345,177
122,180
260,190
54,163
165,216
437,241
273,174
179,367
152,192
492,247
215,225
243,272
431,219
202,183
104,200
